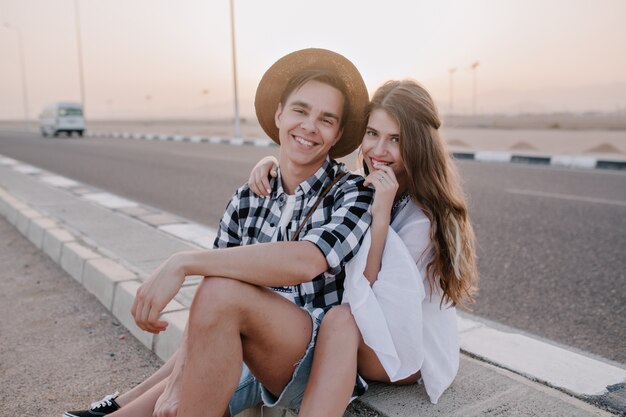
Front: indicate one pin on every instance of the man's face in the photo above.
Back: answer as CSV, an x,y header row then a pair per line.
x,y
309,124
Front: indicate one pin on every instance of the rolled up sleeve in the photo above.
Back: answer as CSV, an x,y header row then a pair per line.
x,y
340,238
229,232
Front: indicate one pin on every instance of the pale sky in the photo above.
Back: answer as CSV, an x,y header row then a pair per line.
x,y
534,55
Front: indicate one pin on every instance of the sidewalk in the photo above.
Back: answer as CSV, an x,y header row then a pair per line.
x,y
110,244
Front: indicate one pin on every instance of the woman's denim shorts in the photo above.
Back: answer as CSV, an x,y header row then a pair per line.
x,y
251,392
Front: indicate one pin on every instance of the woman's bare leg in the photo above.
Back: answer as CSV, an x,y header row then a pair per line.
x,y
153,380
339,352
143,404
161,374
334,365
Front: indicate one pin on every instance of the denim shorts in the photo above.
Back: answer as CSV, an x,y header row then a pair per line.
x,y
251,392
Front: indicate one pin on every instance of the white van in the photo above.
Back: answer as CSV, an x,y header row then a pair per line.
x,y
62,117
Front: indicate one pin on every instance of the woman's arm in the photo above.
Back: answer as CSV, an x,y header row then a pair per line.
x,y
386,185
259,176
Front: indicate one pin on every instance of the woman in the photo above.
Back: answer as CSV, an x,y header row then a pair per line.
x,y
405,330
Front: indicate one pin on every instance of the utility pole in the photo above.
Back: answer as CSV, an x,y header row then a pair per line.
x,y
232,37
452,71
473,68
20,48
80,56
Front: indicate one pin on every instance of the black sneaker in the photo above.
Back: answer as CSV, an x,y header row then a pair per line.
x,y
105,406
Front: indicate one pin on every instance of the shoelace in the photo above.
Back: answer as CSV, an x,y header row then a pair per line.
x,y
105,401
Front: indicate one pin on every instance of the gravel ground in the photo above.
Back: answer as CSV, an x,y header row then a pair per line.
x,y
59,347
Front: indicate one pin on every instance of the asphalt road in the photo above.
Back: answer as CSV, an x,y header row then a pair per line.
x,y
551,241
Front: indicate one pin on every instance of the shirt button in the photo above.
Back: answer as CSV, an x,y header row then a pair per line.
x,y
272,224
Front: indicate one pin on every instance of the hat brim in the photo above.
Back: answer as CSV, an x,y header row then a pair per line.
x,y
277,77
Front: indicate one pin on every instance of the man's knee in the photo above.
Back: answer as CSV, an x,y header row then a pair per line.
x,y
216,296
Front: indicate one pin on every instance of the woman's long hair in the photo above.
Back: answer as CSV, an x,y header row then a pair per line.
x,y
433,184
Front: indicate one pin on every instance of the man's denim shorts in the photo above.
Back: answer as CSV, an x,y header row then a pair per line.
x,y
251,392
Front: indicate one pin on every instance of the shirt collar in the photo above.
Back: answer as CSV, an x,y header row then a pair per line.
x,y
310,185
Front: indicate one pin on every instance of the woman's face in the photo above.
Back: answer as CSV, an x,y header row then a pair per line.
x,y
381,145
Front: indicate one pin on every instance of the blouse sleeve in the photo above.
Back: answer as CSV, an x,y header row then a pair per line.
x,y
416,237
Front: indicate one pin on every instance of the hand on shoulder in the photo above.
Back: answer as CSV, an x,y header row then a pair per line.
x,y
258,181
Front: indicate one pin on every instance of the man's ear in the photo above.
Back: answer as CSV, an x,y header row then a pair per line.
x,y
338,137
279,112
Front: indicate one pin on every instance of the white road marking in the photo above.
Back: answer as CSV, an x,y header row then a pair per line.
x,y
567,197
59,181
493,156
573,161
200,235
262,142
26,169
7,161
109,200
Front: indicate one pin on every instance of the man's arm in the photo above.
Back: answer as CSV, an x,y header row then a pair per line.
x,y
265,264
268,264
325,248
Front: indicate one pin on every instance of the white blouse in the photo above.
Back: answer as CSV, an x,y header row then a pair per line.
x,y
397,316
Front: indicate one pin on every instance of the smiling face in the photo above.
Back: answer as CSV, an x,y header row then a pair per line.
x,y
381,145
309,125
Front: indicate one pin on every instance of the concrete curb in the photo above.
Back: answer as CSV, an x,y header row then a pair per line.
x,y
563,161
181,138
113,284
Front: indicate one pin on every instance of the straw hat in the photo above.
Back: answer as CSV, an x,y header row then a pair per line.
x,y
277,77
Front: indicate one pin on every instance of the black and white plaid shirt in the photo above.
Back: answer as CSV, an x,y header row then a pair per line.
x,y
336,227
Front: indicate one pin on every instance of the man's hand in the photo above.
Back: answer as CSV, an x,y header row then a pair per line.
x,y
154,294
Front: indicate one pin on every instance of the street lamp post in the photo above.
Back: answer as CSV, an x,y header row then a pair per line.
x,y
473,68
452,71
20,47
149,105
232,37
80,55
205,93
109,103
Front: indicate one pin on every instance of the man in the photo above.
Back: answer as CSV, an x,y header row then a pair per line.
x,y
265,292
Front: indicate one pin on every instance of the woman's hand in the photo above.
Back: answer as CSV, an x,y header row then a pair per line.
x,y
259,176
154,294
168,401
386,186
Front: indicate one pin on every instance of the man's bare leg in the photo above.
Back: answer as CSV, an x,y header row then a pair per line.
x,y
230,321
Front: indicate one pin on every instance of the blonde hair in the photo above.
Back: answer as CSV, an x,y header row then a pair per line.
x,y
433,184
